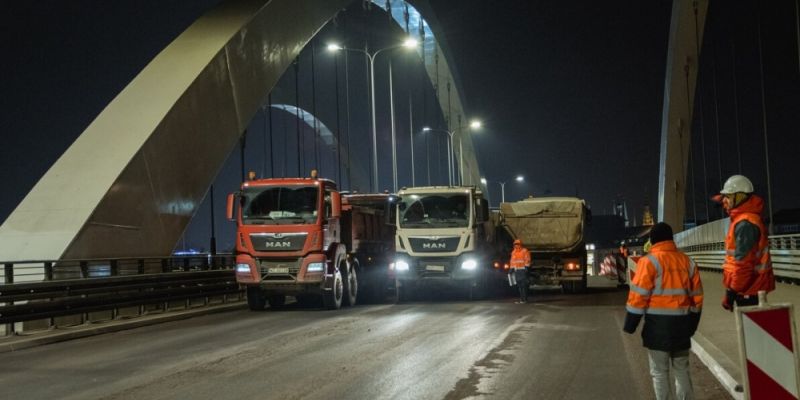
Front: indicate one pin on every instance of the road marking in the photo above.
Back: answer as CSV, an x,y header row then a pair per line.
x,y
715,367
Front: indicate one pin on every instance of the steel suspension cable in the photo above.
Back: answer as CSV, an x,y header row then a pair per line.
x,y
701,107
764,116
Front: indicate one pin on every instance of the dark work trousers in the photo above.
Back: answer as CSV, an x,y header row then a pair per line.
x,y
521,275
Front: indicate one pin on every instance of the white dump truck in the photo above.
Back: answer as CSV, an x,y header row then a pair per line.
x,y
441,240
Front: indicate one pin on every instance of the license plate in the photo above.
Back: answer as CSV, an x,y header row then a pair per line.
x,y
439,268
279,270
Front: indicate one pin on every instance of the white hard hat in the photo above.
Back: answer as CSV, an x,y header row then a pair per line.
x,y
737,184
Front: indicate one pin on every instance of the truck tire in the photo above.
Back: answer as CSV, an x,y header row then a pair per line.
x,y
350,280
255,298
332,299
276,300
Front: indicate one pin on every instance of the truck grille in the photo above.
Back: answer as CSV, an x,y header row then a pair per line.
x,y
279,269
278,241
434,244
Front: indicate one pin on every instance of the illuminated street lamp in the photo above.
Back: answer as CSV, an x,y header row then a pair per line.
x,y
451,149
474,125
409,43
449,152
519,178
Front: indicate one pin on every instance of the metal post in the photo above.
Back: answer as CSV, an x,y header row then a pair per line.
x,y
374,127
502,192
411,135
213,241
460,161
394,138
452,157
8,270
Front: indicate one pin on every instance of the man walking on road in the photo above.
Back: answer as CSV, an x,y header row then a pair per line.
x,y
667,291
520,261
747,267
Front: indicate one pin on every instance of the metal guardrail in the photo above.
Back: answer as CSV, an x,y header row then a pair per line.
x,y
45,290
706,245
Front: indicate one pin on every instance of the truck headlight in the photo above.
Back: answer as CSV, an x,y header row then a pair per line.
x,y
315,267
401,265
243,268
469,265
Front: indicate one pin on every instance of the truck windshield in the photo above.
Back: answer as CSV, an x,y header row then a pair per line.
x,y
437,210
280,205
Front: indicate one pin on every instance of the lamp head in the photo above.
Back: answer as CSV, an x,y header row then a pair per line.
x,y
410,43
426,128
475,124
333,47
520,178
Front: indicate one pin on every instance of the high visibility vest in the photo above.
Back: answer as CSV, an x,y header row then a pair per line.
x,y
753,272
520,258
667,282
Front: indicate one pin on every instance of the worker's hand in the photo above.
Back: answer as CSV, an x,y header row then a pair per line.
x,y
728,299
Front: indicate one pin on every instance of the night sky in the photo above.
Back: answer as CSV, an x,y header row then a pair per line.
x,y
570,93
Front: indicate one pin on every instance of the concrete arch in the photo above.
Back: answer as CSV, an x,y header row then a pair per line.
x,y
123,187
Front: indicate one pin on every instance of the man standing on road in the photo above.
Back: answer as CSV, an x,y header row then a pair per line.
x,y
747,267
667,291
520,261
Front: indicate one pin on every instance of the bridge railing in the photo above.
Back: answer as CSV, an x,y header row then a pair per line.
x,y
49,294
706,245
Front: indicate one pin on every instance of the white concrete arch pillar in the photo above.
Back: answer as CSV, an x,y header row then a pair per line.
x,y
133,179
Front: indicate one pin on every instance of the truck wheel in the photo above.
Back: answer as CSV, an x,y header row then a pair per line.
x,y
255,298
276,300
350,287
332,299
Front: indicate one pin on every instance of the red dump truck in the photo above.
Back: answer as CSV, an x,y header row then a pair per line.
x,y
300,237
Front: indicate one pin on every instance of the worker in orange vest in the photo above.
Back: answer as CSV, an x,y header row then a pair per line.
x,y
668,293
747,268
520,261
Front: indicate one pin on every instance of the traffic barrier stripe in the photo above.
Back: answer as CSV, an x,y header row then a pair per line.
x,y
770,360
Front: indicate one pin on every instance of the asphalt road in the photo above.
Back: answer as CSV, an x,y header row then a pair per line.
x,y
559,347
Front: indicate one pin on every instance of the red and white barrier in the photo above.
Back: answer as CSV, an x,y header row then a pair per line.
x,y
768,348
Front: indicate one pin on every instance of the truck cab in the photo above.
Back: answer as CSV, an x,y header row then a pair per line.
x,y
288,242
440,239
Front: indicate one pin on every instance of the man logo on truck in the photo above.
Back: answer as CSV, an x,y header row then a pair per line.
x,y
277,245
439,245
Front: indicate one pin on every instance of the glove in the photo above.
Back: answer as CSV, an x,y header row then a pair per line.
x,y
631,322
728,299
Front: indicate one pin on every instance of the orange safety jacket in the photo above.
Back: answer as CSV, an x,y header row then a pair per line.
x,y
667,282
520,258
753,272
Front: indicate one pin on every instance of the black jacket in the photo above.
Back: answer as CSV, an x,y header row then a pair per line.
x,y
664,332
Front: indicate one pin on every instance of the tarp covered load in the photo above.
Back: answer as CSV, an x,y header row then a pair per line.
x,y
545,224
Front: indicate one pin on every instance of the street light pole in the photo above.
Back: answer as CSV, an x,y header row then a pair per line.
x,y
409,43
450,158
394,139
519,178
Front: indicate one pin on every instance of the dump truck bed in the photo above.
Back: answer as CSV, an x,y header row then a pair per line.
x,y
547,224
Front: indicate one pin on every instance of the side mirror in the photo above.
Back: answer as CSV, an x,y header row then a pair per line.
x,y
390,213
481,210
229,208
336,205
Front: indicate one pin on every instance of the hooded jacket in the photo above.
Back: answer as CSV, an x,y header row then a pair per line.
x,y
748,265
668,293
